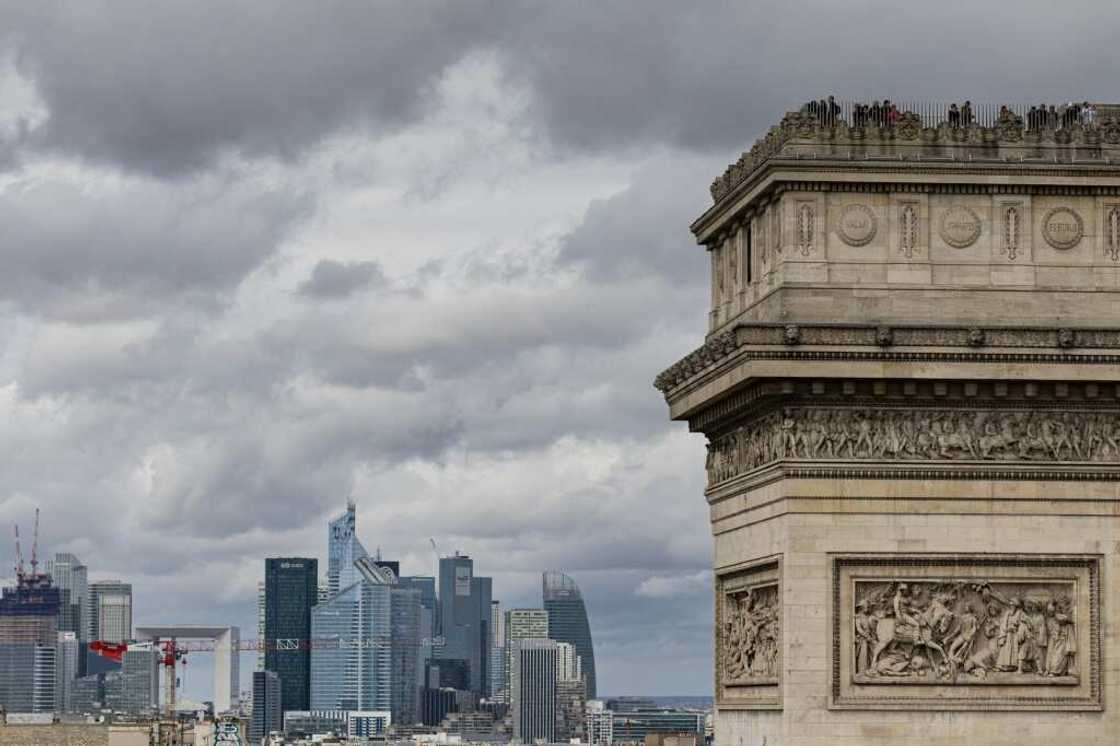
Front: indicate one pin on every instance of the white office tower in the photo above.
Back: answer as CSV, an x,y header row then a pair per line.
x,y
498,674
568,666
533,701
111,610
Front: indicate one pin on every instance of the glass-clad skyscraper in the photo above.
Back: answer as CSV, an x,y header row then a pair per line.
x,y
291,588
343,549
355,674
567,621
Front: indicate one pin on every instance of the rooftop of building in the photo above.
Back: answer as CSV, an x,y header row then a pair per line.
x,y
931,132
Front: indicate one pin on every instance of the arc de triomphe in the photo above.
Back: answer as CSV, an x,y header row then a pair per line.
x,y
910,388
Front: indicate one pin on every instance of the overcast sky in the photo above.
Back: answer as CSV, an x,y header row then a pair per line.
x,y
260,256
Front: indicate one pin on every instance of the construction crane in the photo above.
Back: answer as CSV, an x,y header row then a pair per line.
x,y
19,558
173,653
35,547
33,579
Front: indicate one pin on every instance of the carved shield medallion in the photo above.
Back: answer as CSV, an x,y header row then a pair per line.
x,y
960,227
857,226
1062,228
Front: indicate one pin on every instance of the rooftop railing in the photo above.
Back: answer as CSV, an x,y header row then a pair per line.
x,y
935,113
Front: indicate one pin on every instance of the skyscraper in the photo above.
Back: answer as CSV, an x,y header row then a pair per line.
x,y
68,659
533,701
355,674
499,688
521,624
135,688
567,621
426,632
267,715
464,603
406,615
110,611
69,574
571,694
260,624
343,549
28,645
291,589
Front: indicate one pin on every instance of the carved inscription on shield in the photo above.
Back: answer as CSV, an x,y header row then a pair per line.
x,y
960,227
966,632
749,635
857,225
1062,228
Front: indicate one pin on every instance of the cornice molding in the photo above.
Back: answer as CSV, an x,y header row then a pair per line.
x,y
1086,346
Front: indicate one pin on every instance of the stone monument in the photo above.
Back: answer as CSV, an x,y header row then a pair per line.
x,y
910,389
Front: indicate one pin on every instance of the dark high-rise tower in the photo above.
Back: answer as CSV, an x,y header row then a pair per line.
x,y
567,621
464,603
291,588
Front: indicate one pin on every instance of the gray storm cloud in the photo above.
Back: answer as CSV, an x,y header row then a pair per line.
x,y
258,257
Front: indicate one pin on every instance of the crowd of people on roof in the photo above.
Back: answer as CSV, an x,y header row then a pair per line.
x,y
1061,117
884,113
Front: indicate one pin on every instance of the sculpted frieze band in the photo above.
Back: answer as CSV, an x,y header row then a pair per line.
x,y
916,435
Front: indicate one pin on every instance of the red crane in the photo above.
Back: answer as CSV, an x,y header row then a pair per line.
x,y
173,653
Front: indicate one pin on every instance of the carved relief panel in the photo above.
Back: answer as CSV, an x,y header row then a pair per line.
x,y
916,435
1111,232
908,229
974,632
806,228
1012,218
749,635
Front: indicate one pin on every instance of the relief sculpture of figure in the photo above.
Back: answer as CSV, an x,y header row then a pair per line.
x,y
961,646
864,637
1063,642
1011,636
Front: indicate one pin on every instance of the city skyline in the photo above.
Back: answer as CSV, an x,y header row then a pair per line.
x,y
103,602
430,260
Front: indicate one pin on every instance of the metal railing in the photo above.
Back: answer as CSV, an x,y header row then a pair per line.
x,y
872,113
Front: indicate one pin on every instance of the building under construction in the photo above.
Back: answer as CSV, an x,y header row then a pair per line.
x,y
29,637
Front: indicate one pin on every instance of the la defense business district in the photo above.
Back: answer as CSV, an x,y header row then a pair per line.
x,y
356,651
910,391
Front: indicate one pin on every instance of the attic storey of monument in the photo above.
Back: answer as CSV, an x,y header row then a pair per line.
x,y
910,388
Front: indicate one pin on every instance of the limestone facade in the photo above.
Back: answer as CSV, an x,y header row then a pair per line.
x,y
911,394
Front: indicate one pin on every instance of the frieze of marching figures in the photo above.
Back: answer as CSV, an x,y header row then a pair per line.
x,y
916,435
751,636
973,631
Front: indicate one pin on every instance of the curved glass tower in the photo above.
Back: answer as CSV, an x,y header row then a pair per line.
x,y
567,621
